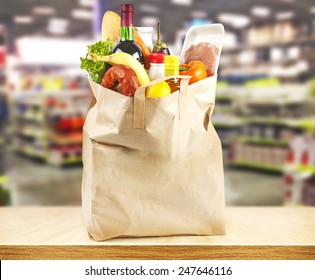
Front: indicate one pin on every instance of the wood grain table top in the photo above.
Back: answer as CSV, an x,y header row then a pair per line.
x,y
251,233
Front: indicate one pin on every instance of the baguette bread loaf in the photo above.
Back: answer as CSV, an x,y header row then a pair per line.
x,y
111,26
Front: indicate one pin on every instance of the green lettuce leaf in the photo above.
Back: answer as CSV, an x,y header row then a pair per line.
x,y
96,70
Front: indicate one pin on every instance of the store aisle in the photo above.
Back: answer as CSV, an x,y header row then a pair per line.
x,y
35,183
253,188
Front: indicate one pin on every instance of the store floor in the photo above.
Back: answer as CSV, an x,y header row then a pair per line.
x,y
34,183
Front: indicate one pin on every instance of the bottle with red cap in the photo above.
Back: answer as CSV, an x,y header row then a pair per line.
x,y
157,66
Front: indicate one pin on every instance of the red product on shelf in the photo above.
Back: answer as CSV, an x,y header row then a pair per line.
x,y
75,123
3,55
305,158
290,157
73,84
82,121
51,102
64,124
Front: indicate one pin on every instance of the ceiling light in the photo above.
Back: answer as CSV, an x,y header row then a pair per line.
x,y
61,51
235,20
313,10
82,14
260,11
146,8
284,15
43,10
86,3
58,25
149,21
23,19
182,2
199,14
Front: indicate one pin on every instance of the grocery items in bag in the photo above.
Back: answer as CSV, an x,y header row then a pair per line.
x,y
204,52
157,66
126,42
201,52
121,75
204,43
97,69
160,47
151,167
146,35
146,52
158,90
111,29
196,69
124,59
171,68
111,26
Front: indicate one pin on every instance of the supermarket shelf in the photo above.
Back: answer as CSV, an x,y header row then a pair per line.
x,y
3,179
261,63
308,123
5,196
263,141
308,169
223,99
38,117
60,139
266,120
226,125
301,40
29,102
259,93
225,120
229,92
252,165
226,143
31,151
38,134
275,102
50,93
37,131
57,159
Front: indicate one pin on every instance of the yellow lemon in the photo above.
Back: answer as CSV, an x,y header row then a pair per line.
x,y
158,90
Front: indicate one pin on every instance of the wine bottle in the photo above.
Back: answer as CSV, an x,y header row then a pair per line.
x,y
126,43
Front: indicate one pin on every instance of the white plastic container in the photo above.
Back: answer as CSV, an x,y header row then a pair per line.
x,y
146,35
207,33
157,66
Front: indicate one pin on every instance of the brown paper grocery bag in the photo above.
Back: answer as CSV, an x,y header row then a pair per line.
x,y
152,167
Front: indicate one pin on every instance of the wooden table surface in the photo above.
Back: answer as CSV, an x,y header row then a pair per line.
x,y
252,233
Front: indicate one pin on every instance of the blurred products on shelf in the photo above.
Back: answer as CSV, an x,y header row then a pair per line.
x,y
299,171
48,113
265,102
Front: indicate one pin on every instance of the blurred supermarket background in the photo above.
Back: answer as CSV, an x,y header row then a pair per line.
x,y
265,106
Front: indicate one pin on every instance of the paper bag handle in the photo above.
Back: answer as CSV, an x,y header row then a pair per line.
x,y
139,99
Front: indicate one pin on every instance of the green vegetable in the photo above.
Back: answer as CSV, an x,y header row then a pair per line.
x,y
97,70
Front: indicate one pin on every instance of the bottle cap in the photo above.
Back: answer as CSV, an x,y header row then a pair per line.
x,y
157,57
126,14
126,8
